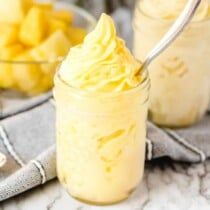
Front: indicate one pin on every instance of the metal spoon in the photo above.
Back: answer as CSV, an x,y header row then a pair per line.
x,y
173,32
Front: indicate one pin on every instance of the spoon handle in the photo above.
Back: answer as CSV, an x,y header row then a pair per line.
x,y
174,31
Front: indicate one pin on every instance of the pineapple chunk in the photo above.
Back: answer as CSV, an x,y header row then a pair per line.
x,y
47,68
56,24
63,15
44,6
6,76
27,76
8,52
13,11
56,45
30,78
45,84
8,34
50,68
76,35
33,27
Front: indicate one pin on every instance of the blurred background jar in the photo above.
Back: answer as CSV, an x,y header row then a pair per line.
x,y
180,86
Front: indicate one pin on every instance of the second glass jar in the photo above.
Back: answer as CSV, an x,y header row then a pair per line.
x,y
180,84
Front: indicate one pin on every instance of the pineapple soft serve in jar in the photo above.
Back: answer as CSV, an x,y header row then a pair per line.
x,y
180,84
101,118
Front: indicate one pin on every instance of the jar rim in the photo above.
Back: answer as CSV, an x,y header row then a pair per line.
x,y
169,21
145,83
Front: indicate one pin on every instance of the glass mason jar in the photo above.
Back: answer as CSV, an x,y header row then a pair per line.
x,y
180,85
100,141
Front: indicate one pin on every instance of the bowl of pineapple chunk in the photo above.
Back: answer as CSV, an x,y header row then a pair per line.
x,y
34,39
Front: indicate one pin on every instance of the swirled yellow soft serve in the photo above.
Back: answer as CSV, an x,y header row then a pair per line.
x,y
170,9
102,63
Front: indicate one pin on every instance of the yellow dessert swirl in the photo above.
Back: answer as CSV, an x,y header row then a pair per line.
x,y
102,63
170,10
